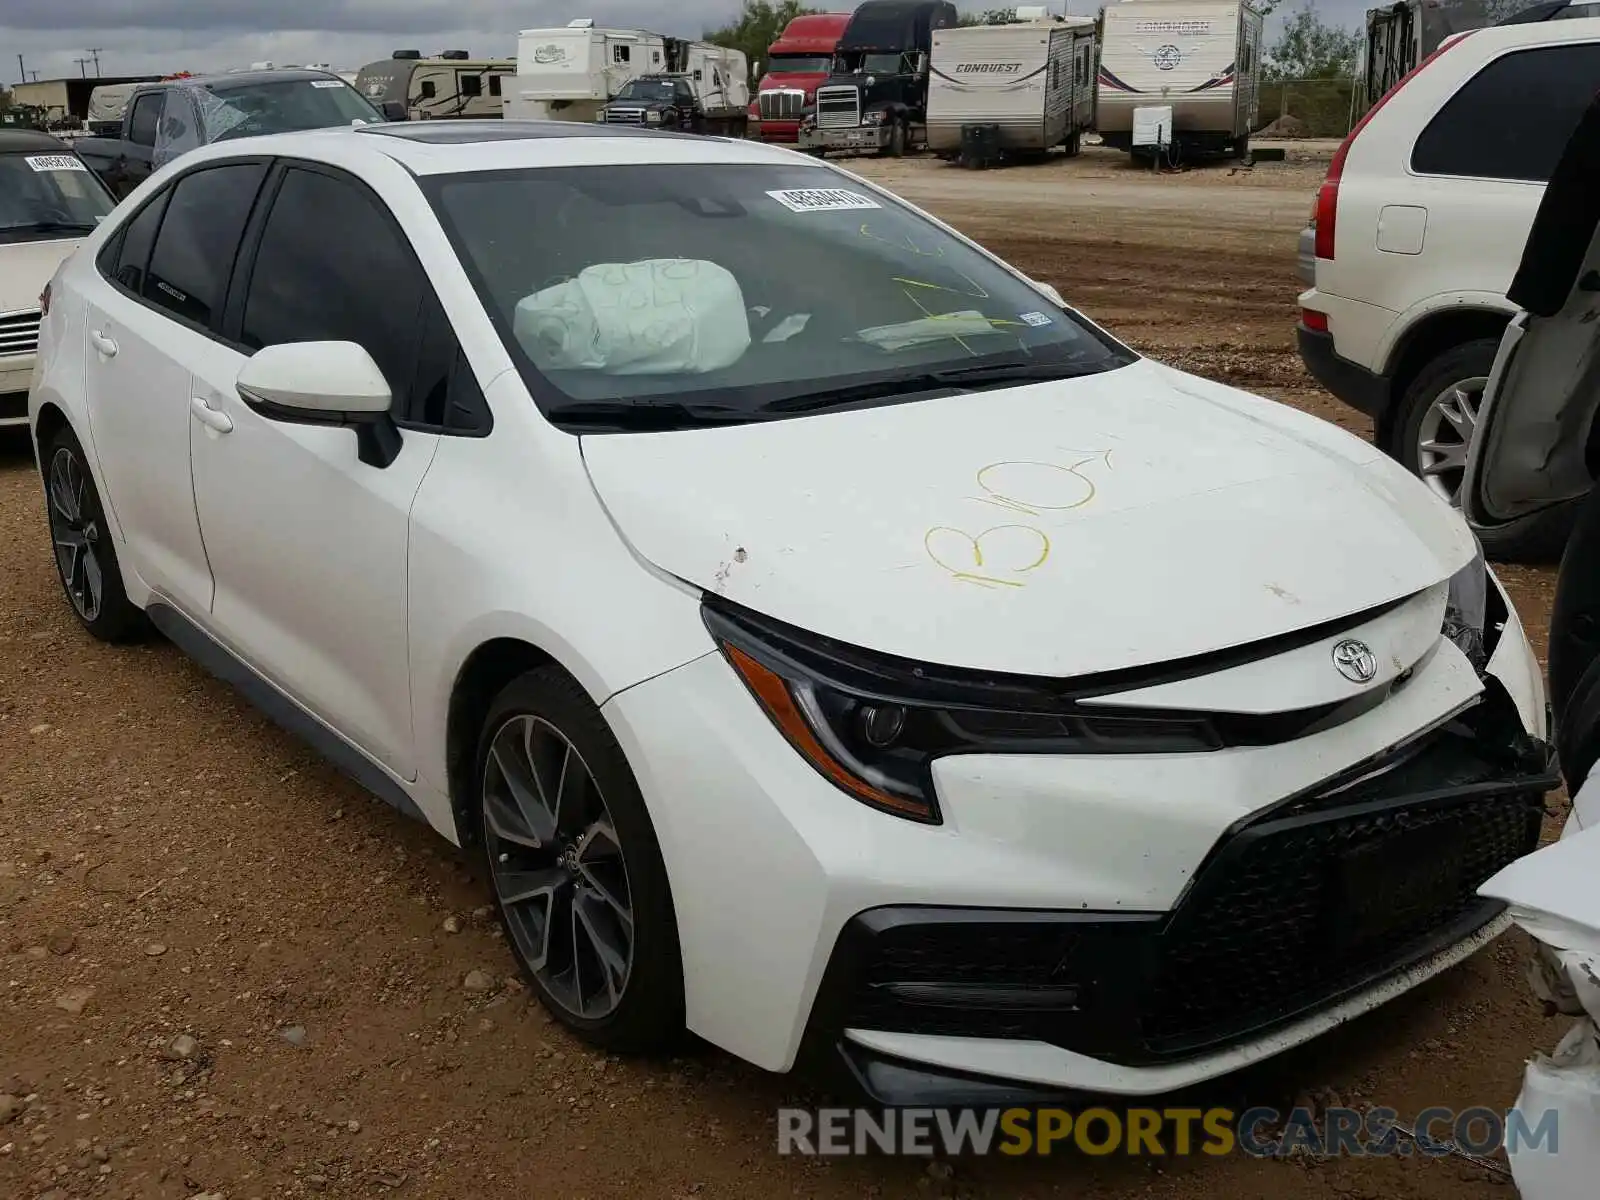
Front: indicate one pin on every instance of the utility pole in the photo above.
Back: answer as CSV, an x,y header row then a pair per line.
x,y
94,52
83,66
21,69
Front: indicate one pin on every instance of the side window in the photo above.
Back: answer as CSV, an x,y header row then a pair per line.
x,y
125,257
619,54
332,267
146,116
494,85
470,85
445,393
1513,118
429,90
194,252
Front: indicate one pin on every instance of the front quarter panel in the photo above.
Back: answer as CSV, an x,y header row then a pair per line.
x,y
509,540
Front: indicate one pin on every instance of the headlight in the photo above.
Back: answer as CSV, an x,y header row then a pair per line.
x,y
1467,609
600,116
875,117
873,725
652,118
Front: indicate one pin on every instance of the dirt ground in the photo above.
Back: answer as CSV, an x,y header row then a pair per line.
x,y
172,865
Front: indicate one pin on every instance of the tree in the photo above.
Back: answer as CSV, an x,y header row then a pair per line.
x,y
759,24
1309,48
5,99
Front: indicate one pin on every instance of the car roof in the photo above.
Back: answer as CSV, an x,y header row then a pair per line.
x,y
24,141
451,147
238,79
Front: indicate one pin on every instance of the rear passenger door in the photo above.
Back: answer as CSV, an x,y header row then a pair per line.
x,y
308,544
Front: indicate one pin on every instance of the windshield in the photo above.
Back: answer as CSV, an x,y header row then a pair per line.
x,y
743,288
284,106
800,64
46,195
650,89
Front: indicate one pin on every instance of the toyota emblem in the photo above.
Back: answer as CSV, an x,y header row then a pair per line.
x,y
1355,660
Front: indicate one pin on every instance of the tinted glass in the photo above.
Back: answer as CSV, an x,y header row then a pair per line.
x,y
494,85
1512,119
471,85
146,115
194,251
49,196
332,267
133,245
799,64
739,286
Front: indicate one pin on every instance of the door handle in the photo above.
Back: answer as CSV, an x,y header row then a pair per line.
x,y
209,417
103,345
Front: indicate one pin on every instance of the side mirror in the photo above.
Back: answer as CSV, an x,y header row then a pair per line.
x,y
394,110
324,383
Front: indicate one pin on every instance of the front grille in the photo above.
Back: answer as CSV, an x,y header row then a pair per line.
x,y
781,105
1318,899
624,116
838,107
19,332
1302,910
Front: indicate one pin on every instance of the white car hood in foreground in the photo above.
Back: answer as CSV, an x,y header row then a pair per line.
x,y
25,267
1062,528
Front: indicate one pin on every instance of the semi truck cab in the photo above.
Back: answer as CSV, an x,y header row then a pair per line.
x,y
800,60
876,97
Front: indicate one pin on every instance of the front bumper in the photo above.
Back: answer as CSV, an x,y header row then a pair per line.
x,y
1125,924
858,137
778,131
16,375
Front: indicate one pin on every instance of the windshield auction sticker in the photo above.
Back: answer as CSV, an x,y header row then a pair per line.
x,y
64,162
802,200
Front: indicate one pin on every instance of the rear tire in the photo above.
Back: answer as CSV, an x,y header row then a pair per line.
x,y
578,881
1431,431
85,552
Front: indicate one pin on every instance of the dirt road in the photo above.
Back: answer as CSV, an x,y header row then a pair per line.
x,y
172,868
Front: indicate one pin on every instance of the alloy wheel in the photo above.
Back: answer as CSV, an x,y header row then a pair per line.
x,y
558,867
1445,435
75,528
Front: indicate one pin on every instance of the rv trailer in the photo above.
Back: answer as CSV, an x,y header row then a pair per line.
x,y
449,85
1202,59
1032,80
1402,34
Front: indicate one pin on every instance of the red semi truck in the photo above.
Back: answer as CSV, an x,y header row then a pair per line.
x,y
797,62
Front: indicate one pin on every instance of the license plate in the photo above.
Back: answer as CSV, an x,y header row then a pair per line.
x,y
1382,887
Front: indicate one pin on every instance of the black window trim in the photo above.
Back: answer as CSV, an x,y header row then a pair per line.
x,y
163,197
232,325
1411,155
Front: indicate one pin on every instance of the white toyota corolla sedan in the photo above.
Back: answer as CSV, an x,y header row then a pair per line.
x,y
830,640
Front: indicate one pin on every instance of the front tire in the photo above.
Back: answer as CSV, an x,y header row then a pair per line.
x,y
1432,430
897,141
86,558
575,866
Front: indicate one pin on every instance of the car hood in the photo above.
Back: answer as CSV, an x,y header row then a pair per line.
x,y
1125,518
25,267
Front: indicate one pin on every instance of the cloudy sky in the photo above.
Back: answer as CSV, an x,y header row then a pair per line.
x,y
140,36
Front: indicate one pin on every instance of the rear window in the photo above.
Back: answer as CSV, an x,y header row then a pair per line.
x,y
1513,118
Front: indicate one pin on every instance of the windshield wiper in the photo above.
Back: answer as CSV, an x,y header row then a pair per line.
x,y
952,378
653,415
50,227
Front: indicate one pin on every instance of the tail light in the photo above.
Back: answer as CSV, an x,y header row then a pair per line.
x,y
1325,215
44,302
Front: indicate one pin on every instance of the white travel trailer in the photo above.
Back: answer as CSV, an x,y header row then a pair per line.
x,y
1200,57
569,72
1032,80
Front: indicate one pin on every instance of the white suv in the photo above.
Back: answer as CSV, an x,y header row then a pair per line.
x,y
1417,230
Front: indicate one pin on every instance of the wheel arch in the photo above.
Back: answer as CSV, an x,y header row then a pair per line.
x,y
1425,340
485,671
51,421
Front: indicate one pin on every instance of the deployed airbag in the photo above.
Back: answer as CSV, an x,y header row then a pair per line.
x,y
657,316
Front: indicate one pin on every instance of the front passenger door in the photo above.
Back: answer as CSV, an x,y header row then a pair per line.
x,y
308,544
